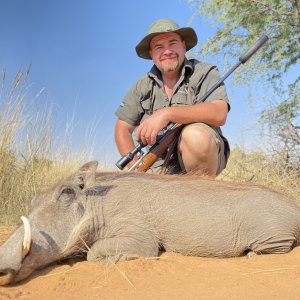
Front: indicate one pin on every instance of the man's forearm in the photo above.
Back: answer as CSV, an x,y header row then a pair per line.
x,y
123,139
211,113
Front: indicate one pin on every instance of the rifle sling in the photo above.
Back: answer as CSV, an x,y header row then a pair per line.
x,y
171,151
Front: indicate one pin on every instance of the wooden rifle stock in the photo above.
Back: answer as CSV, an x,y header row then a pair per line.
x,y
153,154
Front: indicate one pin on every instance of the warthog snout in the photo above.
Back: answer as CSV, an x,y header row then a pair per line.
x,y
7,276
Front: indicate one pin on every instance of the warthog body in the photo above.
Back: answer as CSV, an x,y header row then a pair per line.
x,y
120,215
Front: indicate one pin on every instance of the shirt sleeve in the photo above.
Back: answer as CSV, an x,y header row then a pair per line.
x,y
210,79
130,109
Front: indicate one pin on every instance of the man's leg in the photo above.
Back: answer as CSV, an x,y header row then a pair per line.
x,y
199,148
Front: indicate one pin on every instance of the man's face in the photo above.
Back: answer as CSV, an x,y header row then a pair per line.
x,y
167,51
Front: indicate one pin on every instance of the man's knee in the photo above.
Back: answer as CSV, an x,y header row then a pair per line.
x,y
197,138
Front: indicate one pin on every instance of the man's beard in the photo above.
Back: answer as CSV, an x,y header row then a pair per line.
x,y
170,66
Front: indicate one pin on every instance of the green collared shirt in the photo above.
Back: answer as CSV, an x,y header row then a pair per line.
x,y
148,94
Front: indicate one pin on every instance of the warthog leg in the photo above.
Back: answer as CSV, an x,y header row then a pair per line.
x,y
116,249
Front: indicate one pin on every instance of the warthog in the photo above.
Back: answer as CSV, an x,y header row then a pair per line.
x,y
114,216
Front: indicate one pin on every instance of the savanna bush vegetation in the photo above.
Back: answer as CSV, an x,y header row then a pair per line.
x,y
262,168
30,155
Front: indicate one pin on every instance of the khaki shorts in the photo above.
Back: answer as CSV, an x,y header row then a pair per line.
x,y
223,151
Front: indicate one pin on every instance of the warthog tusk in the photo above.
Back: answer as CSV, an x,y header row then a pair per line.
x,y
27,237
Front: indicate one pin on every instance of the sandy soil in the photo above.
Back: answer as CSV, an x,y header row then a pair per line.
x,y
173,276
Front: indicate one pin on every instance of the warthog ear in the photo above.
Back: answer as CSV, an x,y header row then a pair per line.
x,y
86,175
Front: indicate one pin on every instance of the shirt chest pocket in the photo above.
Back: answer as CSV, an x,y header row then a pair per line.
x,y
147,106
151,105
184,96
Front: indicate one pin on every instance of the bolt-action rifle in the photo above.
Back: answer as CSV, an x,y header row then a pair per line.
x,y
148,158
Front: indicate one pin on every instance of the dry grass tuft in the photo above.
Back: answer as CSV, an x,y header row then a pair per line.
x,y
260,168
29,156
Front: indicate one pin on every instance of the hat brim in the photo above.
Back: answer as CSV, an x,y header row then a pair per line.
x,y
187,33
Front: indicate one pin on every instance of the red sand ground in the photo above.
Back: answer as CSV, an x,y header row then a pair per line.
x,y
173,277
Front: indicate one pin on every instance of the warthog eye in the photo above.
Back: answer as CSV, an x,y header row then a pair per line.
x,y
67,195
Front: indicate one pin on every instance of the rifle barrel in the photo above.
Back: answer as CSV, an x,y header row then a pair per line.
x,y
258,44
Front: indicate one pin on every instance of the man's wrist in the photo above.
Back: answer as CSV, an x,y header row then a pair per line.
x,y
168,114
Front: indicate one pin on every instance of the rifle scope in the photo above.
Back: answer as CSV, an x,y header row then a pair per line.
x,y
126,159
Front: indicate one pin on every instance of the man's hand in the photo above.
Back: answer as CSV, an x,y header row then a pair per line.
x,y
149,128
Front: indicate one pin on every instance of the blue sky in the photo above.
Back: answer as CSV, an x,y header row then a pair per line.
x,y
82,55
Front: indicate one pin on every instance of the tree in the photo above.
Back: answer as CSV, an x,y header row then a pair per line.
x,y
239,24
283,123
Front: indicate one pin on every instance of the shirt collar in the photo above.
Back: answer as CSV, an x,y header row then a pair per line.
x,y
155,74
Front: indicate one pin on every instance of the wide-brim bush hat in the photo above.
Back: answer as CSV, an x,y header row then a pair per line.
x,y
162,26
